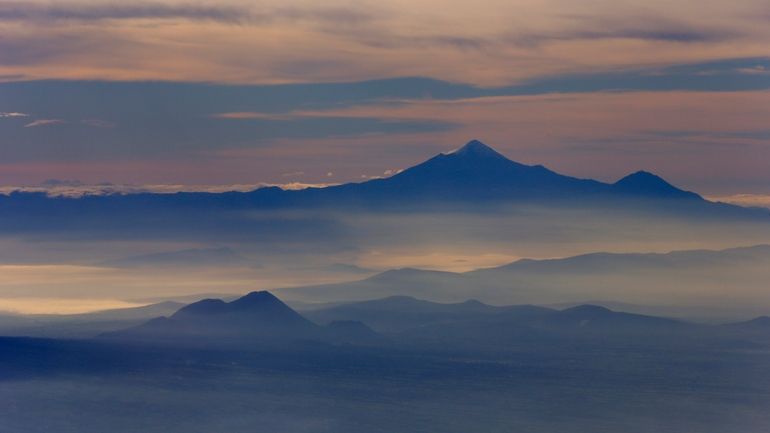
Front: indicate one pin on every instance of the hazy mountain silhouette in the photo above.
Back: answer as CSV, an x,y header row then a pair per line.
x,y
477,173
258,316
472,174
406,314
571,279
646,184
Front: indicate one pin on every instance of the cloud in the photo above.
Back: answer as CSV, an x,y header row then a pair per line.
x,y
642,27
755,200
293,174
666,141
53,183
754,134
758,69
76,188
13,114
73,11
44,122
193,11
252,115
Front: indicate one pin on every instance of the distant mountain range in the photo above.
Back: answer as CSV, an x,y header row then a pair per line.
x,y
474,173
260,317
474,180
683,278
256,317
260,320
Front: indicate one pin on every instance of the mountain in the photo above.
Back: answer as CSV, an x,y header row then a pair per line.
x,y
645,184
478,174
256,317
679,278
474,180
474,173
404,313
261,320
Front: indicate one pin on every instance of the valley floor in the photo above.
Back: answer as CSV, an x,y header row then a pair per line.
x,y
88,387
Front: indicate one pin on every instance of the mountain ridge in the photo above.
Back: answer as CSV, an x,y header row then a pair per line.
x,y
473,173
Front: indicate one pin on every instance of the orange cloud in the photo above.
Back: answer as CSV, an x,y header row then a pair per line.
x,y
235,41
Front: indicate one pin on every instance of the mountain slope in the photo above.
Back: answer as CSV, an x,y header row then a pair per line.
x,y
471,176
476,172
645,184
258,317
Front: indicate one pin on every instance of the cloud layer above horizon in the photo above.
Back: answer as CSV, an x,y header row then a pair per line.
x,y
233,92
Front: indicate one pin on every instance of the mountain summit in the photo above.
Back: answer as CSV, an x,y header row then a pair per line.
x,y
256,308
476,149
256,320
647,184
477,172
257,315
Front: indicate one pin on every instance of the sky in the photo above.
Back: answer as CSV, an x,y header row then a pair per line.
x,y
234,94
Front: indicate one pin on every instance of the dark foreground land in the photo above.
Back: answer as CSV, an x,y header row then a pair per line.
x,y
470,375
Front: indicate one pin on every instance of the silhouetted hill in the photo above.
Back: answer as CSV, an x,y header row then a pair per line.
x,y
256,317
646,184
476,172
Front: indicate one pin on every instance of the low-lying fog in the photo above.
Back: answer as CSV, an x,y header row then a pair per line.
x,y
238,252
